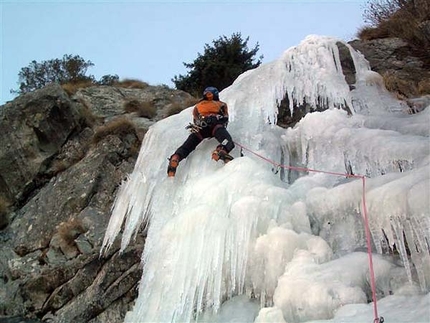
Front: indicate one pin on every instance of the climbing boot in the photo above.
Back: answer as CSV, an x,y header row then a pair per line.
x,y
220,154
173,163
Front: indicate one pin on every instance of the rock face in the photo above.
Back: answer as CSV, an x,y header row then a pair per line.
x,y
397,62
62,159
57,186
108,101
34,129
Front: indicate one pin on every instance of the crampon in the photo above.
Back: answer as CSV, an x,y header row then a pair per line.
x,y
221,154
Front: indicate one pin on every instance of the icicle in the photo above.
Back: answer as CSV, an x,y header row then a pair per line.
x,y
400,244
312,62
419,251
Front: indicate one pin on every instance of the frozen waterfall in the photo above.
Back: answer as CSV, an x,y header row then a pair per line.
x,y
239,239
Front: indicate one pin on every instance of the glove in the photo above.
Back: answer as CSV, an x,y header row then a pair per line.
x,y
193,128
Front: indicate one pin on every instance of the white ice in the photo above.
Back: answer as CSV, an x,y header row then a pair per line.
x,y
257,241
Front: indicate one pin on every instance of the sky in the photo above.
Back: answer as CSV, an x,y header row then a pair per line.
x,y
294,240
150,40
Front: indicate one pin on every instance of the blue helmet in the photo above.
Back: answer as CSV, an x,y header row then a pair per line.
x,y
212,90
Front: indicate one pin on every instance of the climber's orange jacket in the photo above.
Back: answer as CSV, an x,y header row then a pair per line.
x,y
210,107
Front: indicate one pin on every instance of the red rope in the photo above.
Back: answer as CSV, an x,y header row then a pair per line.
x,y
365,218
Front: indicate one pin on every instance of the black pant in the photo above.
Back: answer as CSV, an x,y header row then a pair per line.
x,y
218,131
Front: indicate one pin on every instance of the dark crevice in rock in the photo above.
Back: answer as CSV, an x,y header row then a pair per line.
x,y
347,64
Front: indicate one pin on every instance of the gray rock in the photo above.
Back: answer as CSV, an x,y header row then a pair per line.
x,y
108,101
34,127
60,183
394,58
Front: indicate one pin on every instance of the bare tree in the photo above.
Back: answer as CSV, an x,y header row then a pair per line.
x,y
378,11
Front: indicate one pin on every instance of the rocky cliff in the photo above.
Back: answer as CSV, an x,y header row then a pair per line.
x,y
62,159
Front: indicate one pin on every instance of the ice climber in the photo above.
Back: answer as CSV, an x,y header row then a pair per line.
x,y
210,119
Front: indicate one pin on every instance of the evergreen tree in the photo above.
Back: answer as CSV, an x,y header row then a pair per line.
x,y
219,65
